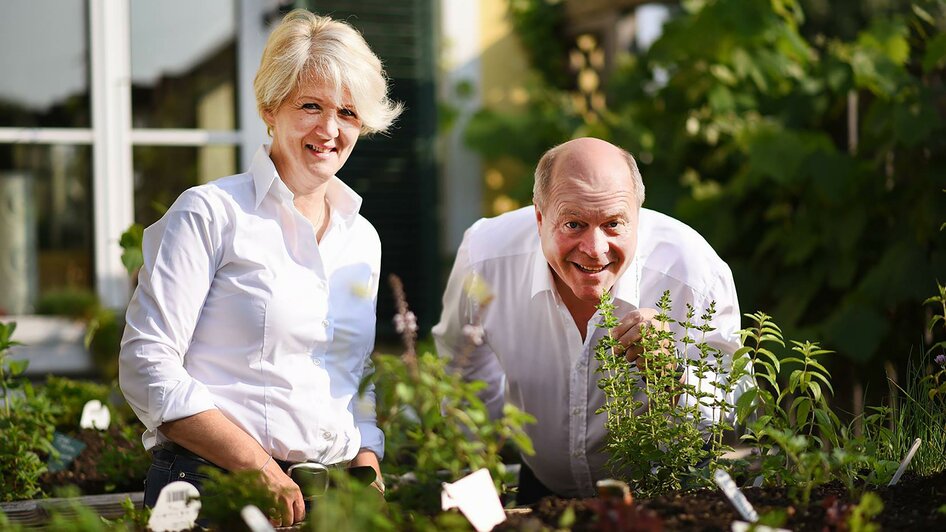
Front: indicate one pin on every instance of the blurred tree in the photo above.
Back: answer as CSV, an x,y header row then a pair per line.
x,y
809,153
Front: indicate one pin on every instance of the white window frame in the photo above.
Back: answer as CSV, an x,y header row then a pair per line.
x,y
112,137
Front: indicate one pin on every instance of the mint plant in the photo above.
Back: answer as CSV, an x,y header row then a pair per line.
x,y
801,441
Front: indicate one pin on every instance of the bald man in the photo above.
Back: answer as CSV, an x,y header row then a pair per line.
x,y
547,266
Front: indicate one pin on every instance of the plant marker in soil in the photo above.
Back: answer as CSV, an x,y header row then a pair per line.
x,y
738,500
177,508
476,497
255,520
906,462
95,415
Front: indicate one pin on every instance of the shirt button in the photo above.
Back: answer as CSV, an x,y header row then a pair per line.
x,y
317,361
327,435
576,411
326,323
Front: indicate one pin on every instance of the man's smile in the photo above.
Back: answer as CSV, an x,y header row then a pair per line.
x,y
591,269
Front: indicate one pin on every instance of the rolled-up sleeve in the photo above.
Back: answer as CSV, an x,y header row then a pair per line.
x,y
364,409
179,265
366,419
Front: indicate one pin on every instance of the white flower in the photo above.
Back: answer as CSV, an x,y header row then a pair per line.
x,y
405,322
474,333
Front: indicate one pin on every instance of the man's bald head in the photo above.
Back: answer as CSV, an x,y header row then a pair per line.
x,y
573,158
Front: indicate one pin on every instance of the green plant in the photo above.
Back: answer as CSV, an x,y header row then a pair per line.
x,y
800,439
76,303
130,242
754,121
7,526
71,396
26,422
349,505
540,25
920,412
124,461
224,494
936,380
103,339
654,438
851,517
436,427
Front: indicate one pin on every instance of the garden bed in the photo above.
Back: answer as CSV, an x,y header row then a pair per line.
x,y
914,504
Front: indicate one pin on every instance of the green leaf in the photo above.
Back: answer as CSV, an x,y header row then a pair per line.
x,y
745,404
801,415
857,330
17,367
823,379
404,392
935,56
815,391
131,243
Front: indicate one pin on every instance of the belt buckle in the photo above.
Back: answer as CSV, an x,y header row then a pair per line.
x,y
312,478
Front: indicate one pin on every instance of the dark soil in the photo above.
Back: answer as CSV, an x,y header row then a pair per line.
x,y
85,472
911,505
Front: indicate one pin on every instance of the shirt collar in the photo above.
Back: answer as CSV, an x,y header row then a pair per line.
x,y
626,289
345,202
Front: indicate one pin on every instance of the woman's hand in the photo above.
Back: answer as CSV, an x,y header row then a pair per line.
x,y
289,499
366,457
213,437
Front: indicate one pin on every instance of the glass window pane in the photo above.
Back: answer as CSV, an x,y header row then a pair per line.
x,y
45,223
44,61
163,172
183,64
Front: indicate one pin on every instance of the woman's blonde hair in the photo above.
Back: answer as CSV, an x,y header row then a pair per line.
x,y
305,47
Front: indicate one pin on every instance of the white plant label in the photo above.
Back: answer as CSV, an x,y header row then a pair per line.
x,y
476,497
905,463
177,508
255,520
95,416
742,526
735,496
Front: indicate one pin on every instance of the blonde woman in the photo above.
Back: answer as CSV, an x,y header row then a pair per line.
x,y
254,317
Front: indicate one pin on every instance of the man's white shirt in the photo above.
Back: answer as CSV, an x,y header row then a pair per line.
x,y
532,354
239,308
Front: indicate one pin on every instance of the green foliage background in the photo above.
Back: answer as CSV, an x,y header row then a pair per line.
x,y
739,116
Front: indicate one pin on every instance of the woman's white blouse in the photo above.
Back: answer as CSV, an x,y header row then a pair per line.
x,y
239,308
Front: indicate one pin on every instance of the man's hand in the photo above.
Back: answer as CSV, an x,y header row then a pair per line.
x,y
289,499
629,333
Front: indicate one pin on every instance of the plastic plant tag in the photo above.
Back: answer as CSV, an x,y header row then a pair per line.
x,y
255,520
95,415
905,463
68,448
177,508
738,500
742,526
476,497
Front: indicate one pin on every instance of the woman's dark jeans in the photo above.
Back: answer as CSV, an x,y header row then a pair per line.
x,y
167,467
